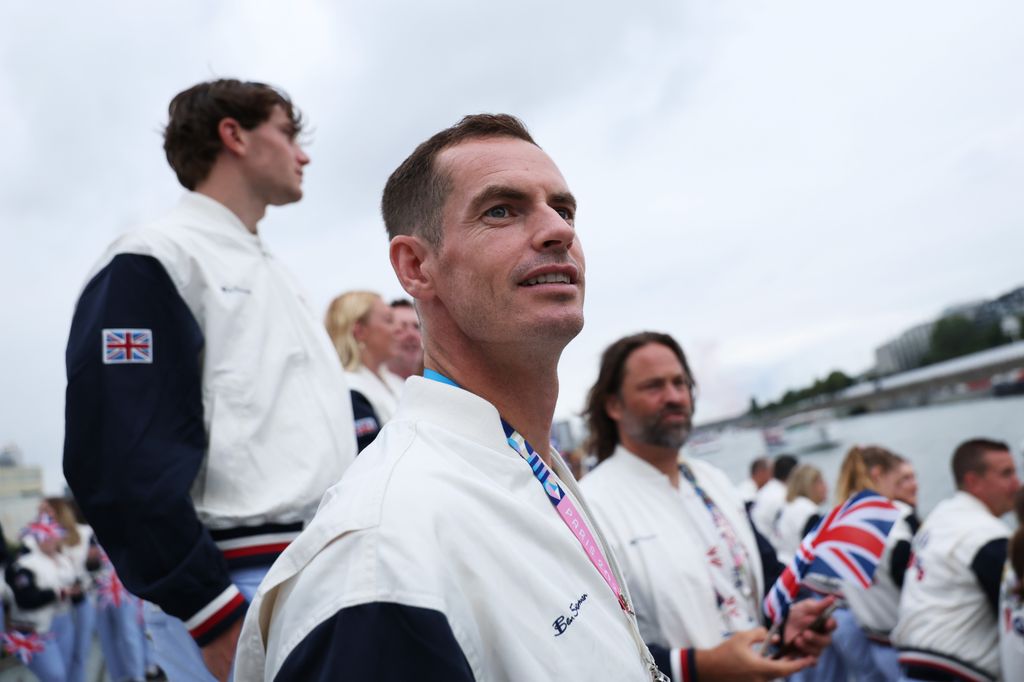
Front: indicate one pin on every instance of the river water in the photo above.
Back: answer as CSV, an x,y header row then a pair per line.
x,y
926,436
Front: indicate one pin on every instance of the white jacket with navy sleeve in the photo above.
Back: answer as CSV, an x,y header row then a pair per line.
x,y
207,410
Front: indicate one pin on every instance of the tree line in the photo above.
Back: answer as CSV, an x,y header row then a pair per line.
x,y
951,337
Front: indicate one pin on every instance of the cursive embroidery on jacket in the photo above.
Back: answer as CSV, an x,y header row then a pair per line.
x,y
563,622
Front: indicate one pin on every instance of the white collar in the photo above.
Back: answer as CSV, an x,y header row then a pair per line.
x,y
454,409
964,498
216,214
639,466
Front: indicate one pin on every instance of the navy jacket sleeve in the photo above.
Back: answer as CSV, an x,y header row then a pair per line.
x,y
811,523
366,423
771,567
4,554
687,661
913,522
23,586
988,566
899,560
135,442
383,642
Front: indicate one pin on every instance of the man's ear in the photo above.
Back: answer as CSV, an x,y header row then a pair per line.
x,y
411,260
232,135
613,407
970,481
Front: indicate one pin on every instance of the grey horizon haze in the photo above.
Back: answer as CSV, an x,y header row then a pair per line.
x,y
781,186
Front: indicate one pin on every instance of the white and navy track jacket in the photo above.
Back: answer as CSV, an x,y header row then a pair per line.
x,y
207,410
797,518
38,584
767,508
651,531
947,614
438,557
876,609
1011,625
374,400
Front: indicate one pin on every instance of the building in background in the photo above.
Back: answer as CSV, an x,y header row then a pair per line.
x,y
904,352
21,489
914,347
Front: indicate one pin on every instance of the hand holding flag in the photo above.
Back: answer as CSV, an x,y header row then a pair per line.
x,y
846,545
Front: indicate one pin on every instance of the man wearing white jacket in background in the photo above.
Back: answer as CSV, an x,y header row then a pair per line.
x,y
693,562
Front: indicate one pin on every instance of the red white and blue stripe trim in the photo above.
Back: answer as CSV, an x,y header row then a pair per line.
x,y
212,619
255,546
684,665
241,547
916,660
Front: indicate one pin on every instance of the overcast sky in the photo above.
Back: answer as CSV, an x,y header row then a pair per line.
x,y
781,185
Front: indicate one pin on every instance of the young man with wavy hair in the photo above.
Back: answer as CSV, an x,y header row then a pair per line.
x,y
207,411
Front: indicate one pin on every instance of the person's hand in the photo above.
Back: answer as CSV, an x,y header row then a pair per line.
x,y
737,660
798,634
219,655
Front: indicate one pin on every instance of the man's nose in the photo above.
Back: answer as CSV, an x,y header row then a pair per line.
x,y
678,394
553,231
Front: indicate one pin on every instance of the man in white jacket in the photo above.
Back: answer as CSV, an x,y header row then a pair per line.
x,y
771,498
693,562
947,626
207,411
457,547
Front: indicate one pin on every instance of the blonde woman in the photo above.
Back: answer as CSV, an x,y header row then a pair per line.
x,y
122,637
41,581
874,468
806,491
80,549
363,329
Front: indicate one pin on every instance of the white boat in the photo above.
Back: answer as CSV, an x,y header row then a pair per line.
x,y
814,430
703,444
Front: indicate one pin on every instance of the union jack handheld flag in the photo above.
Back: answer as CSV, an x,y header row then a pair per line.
x,y
43,528
110,590
846,545
23,645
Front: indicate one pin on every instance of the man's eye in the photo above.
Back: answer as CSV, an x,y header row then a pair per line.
x,y
497,212
566,214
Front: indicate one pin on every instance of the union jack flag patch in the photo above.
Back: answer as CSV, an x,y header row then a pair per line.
x,y
127,346
366,425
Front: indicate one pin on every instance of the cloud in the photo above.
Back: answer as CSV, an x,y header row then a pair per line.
x,y
781,185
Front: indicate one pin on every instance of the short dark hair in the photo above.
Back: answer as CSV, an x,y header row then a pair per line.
x,y
416,191
191,139
783,467
604,432
758,464
970,456
402,303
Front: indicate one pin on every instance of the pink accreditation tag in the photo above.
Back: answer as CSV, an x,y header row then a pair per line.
x,y
574,520
566,509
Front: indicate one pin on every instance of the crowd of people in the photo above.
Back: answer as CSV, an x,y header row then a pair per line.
x,y
60,592
945,602
376,497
